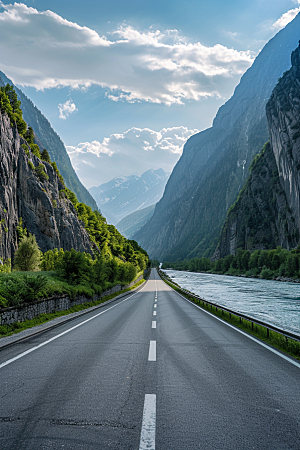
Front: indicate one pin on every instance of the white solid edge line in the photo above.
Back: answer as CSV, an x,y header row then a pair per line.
x,y
242,332
154,313
9,361
152,351
153,323
147,441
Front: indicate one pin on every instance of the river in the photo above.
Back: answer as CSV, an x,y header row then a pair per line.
x,y
274,302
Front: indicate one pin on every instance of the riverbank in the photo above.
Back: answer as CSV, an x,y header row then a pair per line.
x,y
266,300
278,264
282,279
289,346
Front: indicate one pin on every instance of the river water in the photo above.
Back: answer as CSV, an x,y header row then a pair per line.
x,y
274,302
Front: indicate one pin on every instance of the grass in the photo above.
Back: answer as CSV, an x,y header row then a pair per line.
x,y
8,330
277,340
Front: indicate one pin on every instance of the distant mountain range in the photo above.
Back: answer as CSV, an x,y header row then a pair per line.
x,y
124,195
214,165
49,139
132,223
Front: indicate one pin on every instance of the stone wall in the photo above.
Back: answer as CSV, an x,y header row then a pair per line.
x,y
29,311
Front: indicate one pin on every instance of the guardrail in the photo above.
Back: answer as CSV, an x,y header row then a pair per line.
x,y
269,327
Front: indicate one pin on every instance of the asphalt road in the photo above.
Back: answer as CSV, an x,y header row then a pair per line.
x,y
145,374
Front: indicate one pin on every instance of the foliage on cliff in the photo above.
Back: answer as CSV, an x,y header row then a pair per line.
x,y
48,138
12,106
113,259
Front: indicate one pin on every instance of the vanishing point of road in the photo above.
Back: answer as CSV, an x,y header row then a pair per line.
x,y
148,371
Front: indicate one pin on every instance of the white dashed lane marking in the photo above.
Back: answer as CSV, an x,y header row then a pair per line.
x,y
152,351
147,441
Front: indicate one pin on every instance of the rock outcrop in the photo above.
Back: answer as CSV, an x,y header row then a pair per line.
x,y
267,212
214,164
36,198
49,139
283,113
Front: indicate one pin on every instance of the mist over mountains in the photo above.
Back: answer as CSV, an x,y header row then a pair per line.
x,y
124,195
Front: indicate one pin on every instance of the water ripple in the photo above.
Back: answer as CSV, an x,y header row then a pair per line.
x,y
274,302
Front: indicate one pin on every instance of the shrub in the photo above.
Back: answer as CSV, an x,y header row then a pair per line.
x,y
21,289
52,260
45,156
40,172
28,255
267,274
12,291
30,164
21,231
6,266
33,287
76,267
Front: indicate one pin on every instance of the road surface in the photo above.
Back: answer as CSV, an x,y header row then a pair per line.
x,y
149,371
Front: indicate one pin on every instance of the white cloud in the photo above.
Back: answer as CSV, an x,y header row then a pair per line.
x,y
286,18
232,35
134,151
44,50
65,109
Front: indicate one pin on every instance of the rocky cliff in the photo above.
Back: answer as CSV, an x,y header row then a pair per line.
x,y
49,139
31,190
267,212
213,167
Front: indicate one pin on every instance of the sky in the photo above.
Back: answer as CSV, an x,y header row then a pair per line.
x,y
125,84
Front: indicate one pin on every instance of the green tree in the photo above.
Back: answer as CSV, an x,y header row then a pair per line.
x,y
40,173
253,262
52,260
76,267
245,260
28,255
45,156
275,264
21,231
8,97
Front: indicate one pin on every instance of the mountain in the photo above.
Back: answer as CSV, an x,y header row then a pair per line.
x,y
132,223
49,139
123,195
31,190
267,211
214,165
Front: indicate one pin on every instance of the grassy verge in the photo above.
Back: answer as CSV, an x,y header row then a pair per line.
x,y
8,330
286,345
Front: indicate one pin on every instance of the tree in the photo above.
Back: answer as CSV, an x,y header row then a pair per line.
x,y
28,255
45,156
11,105
76,267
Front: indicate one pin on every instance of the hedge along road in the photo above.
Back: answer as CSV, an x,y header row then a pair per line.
x,y
126,378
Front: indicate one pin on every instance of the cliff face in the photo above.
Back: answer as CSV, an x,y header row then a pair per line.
x,y
214,163
40,203
261,217
283,113
49,139
267,212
